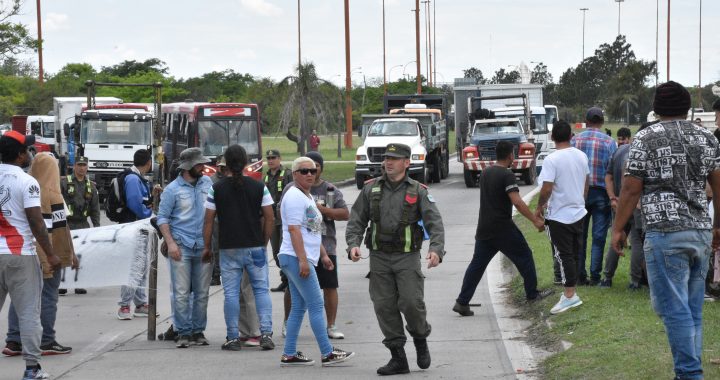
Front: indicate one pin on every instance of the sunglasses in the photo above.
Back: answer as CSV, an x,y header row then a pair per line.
x,y
306,171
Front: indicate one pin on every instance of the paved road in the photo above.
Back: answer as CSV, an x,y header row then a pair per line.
x,y
462,348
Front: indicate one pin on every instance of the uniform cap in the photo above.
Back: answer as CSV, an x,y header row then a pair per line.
x,y
397,150
191,157
81,160
272,153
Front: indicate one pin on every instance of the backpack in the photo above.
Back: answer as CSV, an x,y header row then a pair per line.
x,y
115,200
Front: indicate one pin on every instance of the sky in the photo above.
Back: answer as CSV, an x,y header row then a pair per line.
x,y
259,37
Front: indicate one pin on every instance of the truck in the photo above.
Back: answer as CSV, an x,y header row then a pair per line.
x,y
43,128
419,121
487,130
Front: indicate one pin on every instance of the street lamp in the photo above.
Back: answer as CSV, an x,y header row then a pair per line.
x,y
390,72
619,1
404,67
583,34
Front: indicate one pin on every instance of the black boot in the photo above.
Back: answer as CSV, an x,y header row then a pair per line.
x,y
398,363
423,354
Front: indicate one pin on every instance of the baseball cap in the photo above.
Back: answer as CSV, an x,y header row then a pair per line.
x,y
26,140
397,150
272,153
595,115
191,157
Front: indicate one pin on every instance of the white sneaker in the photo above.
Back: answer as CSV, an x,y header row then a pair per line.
x,y
566,303
334,333
284,331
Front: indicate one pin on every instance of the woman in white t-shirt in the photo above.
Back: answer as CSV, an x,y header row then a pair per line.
x,y
300,252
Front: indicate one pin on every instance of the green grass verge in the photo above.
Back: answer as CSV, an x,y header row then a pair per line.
x,y
615,334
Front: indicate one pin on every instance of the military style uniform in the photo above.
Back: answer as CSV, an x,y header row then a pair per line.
x,y
275,183
82,201
394,239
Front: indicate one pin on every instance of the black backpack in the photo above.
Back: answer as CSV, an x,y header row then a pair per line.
x,y
115,200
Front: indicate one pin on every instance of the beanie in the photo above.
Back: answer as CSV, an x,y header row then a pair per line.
x,y
671,99
317,157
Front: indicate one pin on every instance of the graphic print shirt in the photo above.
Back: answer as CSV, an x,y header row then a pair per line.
x,y
18,191
297,209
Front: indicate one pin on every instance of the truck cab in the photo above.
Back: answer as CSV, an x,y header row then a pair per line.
x,y
43,127
538,126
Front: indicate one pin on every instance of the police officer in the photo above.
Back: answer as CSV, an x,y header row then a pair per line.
x,y
81,197
394,204
275,180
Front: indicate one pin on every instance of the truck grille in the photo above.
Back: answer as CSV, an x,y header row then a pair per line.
x,y
486,149
376,154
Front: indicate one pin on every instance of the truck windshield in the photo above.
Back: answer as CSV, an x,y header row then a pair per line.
x,y
551,114
43,129
116,132
393,128
540,123
495,128
217,135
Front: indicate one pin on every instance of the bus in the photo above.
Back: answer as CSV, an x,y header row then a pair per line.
x,y
212,127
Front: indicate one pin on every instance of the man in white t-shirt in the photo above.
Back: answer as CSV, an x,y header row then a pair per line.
x,y
565,181
20,220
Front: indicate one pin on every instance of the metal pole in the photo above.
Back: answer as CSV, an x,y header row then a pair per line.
x,y
583,38
619,1
417,46
385,86
657,40
152,285
668,43
428,43
348,82
699,90
434,28
40,41
299,52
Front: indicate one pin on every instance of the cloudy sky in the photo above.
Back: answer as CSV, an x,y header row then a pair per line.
x,y
260,36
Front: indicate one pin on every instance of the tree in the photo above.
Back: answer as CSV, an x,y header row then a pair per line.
x,y
133,67
306,92
540,75
14,38
476,74
628,100
505,77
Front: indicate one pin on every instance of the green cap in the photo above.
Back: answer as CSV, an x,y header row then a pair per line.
x,y
397,150
82,160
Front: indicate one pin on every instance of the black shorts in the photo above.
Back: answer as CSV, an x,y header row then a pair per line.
x,y
328,279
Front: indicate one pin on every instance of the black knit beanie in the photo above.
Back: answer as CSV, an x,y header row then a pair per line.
x,y
671,99
317,157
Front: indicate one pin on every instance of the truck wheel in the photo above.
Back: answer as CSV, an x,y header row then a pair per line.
x,y
529,176
359,181
471,178
422,177
445,172
436,168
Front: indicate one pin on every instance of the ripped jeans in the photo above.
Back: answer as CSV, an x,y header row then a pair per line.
x,y
232,263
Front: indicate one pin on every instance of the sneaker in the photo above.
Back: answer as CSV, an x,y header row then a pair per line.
x,y
12,349
35,373
295,360
279,288
566,303
594,282
80,291
266,342
334,333
463,310
62,291
541,294
232,345
557,281
54,348
170,334
123,313
709,298
336,356
284,331
183,341
143,311
253,341
606,283
199,339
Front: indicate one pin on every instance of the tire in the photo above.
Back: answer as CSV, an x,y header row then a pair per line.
x,y
359,181
471,178
422,177
529,176
445,172
435,174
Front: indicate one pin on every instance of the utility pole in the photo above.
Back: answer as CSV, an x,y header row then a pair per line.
x,y
40,41
699,89
434,46
417,46
385,85
619,1
657,40
583,40
668,43
428,44
348,82
299,52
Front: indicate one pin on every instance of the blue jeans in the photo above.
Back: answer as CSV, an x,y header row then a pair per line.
x,y
190,276
305,294
677,263
254,261
48,312
597,204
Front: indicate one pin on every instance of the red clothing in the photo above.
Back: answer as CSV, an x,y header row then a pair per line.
x,y
314,142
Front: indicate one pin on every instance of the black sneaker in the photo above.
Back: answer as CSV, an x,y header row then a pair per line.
x,y
279,288
80,291
183,341
463,310
12,349
266,342
606,283
541,294
62,291
232,345
295,360
199,339
54,348
336,356
168,335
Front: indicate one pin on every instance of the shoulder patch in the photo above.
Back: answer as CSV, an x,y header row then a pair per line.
x,y
430,198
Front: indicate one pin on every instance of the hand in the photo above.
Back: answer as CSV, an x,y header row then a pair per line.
x,y
327,262
355,254
433,259
540,213
206,255
614,204
54,262
173,251
75,262
716,238
539,223
157,189
618,241
304,269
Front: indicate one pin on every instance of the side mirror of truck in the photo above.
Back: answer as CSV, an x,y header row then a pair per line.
x,y
433,130
57,136
66,129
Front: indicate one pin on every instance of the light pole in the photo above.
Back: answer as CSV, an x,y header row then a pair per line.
x,y
404,67
657,39
668,43
583,34
619,1
385,89
699,90
390,72
40,57
417,47
348,84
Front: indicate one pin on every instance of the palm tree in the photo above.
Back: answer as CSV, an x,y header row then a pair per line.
x,y
628,100
306,92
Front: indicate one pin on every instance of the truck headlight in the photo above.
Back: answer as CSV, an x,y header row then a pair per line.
x,y
360,157
417,157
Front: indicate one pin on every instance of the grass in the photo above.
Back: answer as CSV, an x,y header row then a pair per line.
x,y
615,334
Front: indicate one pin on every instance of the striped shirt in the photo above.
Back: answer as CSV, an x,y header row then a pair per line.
x,y
599,148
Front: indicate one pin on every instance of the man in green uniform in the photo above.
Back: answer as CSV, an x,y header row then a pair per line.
x,y
394,204
81,197
275,180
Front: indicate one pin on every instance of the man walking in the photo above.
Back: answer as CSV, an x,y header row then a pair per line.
x,y
598,147
565,182
21,220
180,218
496,230
668,166
394,204
245,221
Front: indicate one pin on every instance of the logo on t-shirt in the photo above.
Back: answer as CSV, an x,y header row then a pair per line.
x,y
34,191
4,198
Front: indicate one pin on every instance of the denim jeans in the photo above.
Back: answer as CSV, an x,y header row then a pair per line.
x,y
48,312
190,277
128,294
232,263
306,295
597,204
677,263
513,245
